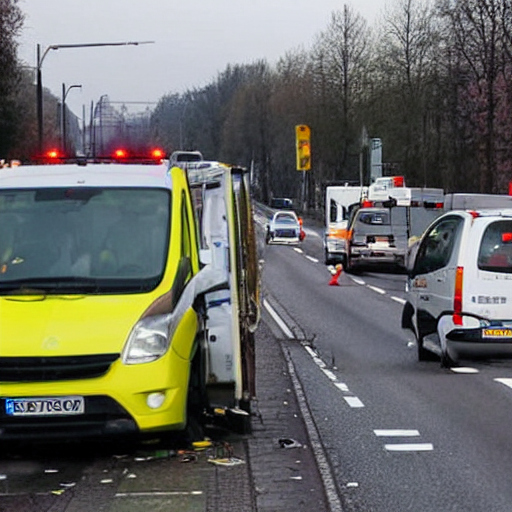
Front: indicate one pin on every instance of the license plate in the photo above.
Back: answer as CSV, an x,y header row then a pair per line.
x,y
57,406
497,333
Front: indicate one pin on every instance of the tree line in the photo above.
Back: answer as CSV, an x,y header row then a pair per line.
x,y
432,80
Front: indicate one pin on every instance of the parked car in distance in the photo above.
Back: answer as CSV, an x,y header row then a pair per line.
x,y
281,203
459,290
283,228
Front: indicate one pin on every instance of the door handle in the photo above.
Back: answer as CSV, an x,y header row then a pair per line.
x,y
424,297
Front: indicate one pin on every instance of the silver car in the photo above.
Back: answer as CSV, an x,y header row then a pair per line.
x,y
283,228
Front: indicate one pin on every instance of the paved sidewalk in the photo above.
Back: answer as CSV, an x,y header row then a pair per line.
x,y
283,479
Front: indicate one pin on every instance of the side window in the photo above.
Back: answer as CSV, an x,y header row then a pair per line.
x,y
437,246
495,254
333,211
186,242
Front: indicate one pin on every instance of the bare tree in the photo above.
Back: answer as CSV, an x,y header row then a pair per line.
x,y
406,71
340,63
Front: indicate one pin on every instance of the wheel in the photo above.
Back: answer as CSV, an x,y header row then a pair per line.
x,y
446,360
423,353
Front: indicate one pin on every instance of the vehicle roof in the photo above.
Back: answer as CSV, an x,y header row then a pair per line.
x,y
90,175
285,212
482,214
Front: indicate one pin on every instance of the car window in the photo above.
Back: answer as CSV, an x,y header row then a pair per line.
x,y
285,218
374,218
437,246
495,253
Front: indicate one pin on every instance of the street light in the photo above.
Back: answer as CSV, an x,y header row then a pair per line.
x,y
63,114
40,59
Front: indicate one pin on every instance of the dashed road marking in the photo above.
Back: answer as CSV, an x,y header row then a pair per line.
x,y
396,432
357,280
330,374
353,401
507,382
463,369
323,465
376,289
399,299
409,447
310,258
341,386
296,249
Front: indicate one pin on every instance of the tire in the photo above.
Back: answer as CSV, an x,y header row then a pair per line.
x,y
423,353
446,360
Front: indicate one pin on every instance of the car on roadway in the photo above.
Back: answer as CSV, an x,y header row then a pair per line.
x,y
284,228
376,237
459,293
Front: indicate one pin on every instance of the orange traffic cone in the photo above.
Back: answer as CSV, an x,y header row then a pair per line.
x,y
336,275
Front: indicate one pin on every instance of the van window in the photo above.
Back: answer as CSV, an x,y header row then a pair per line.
x,y
437,246
83,240
374,218
495,252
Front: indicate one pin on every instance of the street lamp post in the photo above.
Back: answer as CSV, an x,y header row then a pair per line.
x,y
39,88
63,114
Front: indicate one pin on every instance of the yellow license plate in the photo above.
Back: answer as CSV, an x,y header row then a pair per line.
x,y
497,333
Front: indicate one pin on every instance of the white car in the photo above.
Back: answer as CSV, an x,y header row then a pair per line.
x,y
460,287
284,228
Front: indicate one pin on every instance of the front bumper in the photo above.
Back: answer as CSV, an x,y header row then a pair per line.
x,y
115,403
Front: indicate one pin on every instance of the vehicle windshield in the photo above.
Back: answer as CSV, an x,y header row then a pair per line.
x,y
495,253
285,218
83,240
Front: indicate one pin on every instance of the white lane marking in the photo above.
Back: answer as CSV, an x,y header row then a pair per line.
x,y
157,493
341,386
278,320
316,359
310,258
296,249
396,432
399,299
330,374
507,382
409,447
352,484
375,289
464,369
353,401
357,280
323,465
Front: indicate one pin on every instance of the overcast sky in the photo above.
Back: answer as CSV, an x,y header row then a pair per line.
x,y
193,41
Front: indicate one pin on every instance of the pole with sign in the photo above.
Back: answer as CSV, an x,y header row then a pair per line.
x,y
303,155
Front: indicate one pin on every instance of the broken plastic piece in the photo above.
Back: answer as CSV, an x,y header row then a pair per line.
x,y
289,443
228,461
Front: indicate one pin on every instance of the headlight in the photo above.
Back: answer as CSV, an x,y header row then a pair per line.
x,y
148,341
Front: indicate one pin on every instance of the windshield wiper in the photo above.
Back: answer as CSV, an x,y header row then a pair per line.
x,y
50,285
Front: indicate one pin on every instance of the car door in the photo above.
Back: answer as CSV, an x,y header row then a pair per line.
x,y
433,276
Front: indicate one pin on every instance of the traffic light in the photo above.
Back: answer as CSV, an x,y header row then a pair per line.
x,y
303,146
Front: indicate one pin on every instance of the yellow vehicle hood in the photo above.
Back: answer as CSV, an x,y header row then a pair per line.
x,y
35,325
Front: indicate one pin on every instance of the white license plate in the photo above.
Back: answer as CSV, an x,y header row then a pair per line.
x,y
56,406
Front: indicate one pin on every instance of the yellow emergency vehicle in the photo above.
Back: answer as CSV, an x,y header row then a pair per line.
x,y
122,311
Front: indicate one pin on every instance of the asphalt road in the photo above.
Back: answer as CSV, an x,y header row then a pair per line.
x,y
400,435
391,434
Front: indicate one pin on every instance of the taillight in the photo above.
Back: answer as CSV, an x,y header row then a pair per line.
x,y
457,297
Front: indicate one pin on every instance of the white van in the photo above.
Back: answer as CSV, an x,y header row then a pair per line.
x,y
460,287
